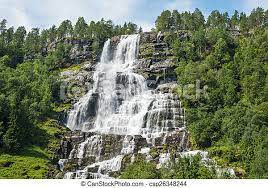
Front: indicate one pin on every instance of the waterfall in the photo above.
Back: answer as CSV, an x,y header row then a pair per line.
x,y
121,104
120,108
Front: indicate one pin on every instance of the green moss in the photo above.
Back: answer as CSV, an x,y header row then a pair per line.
x,y
53,133
164,149
51,127
71,166
74,67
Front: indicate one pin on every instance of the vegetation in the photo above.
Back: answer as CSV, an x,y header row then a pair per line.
x,y
228,58
184,168
34,161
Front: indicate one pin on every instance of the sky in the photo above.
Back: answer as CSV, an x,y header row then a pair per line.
x,y
43,14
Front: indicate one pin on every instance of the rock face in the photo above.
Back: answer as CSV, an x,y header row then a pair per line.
x,y
76,51
156,61
79,50
77,82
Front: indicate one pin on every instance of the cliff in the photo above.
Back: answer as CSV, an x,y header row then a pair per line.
x,y
85,154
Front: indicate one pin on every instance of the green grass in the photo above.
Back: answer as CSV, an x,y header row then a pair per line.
x,y
34,161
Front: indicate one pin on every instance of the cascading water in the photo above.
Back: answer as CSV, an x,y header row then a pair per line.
x,y
125,108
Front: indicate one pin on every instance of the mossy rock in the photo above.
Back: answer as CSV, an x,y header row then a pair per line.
x,y
164,148
154,152
146,50
140,157
70,167
74,67
126,161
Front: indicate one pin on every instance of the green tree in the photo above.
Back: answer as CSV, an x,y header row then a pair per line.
x,y
198,19
66,29
216,19
163,22
235,20
80,28
32,43
140,170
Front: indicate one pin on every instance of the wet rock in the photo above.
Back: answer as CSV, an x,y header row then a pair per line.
x,y
65,149
76,83
140,142
148,37
155,59
6,163
167,88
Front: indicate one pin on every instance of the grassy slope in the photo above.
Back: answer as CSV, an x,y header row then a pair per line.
x,y
33,161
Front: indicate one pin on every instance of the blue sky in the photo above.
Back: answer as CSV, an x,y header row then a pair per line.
x,y
40,13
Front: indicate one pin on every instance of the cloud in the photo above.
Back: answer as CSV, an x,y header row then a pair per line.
x,y
90,9
43,14
34,13
16,15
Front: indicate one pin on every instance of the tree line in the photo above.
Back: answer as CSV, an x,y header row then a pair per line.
x,y
173,21
19,42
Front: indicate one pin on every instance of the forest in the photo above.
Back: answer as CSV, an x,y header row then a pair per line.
x,y
226,54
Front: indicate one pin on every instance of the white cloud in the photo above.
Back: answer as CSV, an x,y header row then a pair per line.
x,y
90,9
15,17
37,13
15,14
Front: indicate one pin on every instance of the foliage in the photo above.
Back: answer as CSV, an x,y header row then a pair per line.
x,y
184,168
34,161
140,170
193,21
